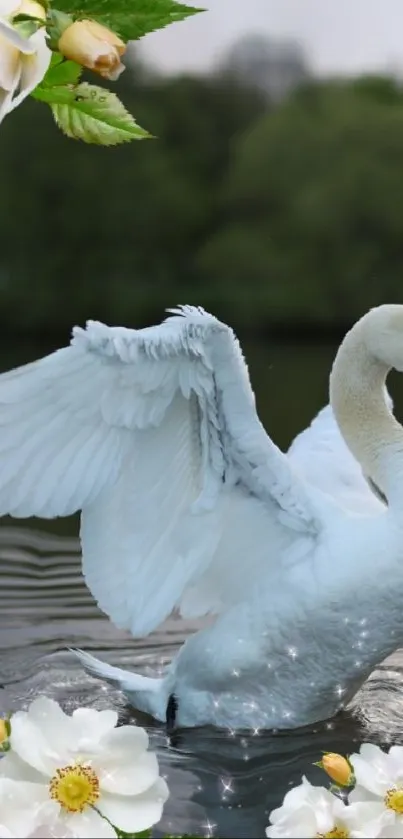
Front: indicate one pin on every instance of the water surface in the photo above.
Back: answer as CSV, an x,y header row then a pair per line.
x,y
221,783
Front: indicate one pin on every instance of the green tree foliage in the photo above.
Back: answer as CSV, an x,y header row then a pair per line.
x,y
90,232
268,214
313,207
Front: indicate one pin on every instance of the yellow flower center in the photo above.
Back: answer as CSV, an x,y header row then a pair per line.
x,y
394,800
335,833
74,787
3,731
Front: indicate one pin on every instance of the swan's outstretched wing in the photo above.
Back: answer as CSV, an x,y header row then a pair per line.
x,y
323,459
153,433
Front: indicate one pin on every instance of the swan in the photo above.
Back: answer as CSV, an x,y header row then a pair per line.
x,y
186,503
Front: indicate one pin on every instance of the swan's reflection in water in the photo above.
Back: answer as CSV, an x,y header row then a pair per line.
x,y
222,783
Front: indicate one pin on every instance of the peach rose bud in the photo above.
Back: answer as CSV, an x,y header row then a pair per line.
x,y
93,46
338,769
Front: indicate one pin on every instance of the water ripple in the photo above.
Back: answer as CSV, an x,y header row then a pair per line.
x,y
45,607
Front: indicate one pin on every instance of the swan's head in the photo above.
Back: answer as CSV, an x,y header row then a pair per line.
x,y
382,331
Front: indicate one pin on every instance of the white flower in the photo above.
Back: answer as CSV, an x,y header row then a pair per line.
x,y
379,785
308,812
23,61
87,767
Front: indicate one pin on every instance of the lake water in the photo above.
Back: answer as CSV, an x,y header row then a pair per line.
x,y
220,784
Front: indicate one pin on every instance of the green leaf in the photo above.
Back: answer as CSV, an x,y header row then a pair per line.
x,y
55,59
61,72
90,113
57,22
131,19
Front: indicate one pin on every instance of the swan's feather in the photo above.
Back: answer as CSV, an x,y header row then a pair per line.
x,y
322,459
153,433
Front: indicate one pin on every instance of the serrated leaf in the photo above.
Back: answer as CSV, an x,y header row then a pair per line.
x,y
92,114
131,19
61,72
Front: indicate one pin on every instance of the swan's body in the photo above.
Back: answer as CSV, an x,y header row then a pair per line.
x,y
187,503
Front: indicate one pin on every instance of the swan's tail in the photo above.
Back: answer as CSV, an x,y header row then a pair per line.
x,y
145,694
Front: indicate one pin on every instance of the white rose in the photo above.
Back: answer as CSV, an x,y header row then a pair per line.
x,y
23,61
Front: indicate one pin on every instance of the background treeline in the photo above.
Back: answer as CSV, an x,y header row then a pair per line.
x,y
270,210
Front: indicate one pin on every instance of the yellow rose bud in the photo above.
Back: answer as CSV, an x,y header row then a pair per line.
x,y
94,46
32,8
338,769
3,731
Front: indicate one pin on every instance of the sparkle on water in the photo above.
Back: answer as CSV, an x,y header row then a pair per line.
x,y
226,786
209,828
340,690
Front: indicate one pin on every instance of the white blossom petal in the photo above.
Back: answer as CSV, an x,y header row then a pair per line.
x,y
24,805
294,796
307,811
54,724
13,37
373,772
31,746
10,69
10,72
33,68
368,819
5,99
88,824
57,831
137,813
128,777
9,8
11,766
327,807
396,759
374,754
90,726
300,824
125,740
360,793
392,831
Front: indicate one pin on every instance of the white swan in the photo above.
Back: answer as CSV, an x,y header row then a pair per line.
x,y
186,502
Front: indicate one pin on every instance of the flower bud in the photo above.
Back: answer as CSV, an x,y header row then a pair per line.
x,y
3,731
32,9
93,46
338,769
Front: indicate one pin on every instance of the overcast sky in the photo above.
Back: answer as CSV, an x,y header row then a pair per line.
x,y
339,35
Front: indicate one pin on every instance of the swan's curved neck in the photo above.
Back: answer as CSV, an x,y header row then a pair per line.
x,y
357,396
